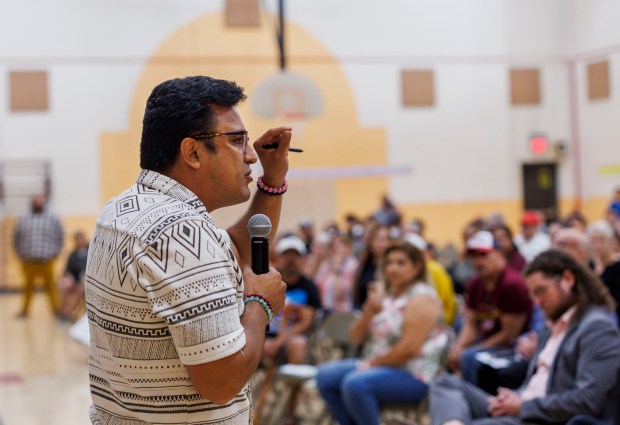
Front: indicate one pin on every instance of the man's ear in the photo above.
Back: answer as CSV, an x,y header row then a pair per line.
x,y
568,280
189,153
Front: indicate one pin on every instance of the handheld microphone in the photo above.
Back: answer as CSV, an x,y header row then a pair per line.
x,y
259,227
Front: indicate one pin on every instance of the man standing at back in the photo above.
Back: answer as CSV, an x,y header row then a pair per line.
x,y
38,238
177,317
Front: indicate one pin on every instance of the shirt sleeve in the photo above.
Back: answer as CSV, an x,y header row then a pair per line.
x,y
515,299
471,294
192,281
314,300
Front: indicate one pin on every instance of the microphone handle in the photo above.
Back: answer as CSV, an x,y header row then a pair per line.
x,y
260,255
260,258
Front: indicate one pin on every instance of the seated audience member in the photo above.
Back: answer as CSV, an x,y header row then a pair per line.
x,y
504,239
576,220
356,231
531,241
615,203
497,307
377,241
334,278
403,338
387,214
601,236
575,365
72,281
305,228
606,260
553,227
462,271
495,219
573,242
438,277
318,252
288,331
512,371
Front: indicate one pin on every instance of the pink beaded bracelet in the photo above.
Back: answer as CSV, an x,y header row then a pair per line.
x,y
275,191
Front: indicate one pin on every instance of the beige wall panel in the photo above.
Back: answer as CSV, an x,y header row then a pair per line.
x,y
525,86
418,88
242,12
28,91
598,80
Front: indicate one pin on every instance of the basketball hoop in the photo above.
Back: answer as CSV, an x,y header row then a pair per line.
x,y
288,96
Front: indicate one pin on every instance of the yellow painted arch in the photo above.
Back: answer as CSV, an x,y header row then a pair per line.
x,y
248,55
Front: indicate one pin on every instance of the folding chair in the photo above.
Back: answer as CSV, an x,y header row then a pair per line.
x,y
330,341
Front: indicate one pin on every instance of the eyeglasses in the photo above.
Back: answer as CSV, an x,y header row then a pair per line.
x,y
241,141
541,290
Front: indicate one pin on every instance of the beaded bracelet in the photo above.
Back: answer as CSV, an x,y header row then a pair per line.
x,y
274,191
263,302
262,298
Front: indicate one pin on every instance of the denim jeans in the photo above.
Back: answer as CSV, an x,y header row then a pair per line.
x,y
354,396
469,365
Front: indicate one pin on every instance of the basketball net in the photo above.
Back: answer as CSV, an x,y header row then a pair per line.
x,y
295,119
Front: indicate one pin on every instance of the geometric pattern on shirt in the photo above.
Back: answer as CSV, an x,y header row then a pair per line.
x,y
160,277
234,415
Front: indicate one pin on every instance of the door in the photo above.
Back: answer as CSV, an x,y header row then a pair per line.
x,y
540,189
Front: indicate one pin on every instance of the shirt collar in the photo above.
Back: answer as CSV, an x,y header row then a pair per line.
x,y
168,186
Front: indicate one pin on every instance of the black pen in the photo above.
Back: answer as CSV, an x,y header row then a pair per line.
x,y
275,146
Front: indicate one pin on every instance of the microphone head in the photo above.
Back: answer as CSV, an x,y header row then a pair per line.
x,y
259,226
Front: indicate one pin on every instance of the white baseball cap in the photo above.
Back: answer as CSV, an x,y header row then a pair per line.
x,y
416,240
481,241
291,242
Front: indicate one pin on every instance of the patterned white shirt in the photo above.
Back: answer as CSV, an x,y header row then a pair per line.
x,y
163,290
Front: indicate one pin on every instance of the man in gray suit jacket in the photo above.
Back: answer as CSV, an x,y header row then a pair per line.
x,y
574,369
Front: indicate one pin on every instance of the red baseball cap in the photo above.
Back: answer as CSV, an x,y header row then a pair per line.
x,y
531,217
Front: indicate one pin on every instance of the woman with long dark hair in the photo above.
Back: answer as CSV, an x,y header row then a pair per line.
x,y
403,337
377,241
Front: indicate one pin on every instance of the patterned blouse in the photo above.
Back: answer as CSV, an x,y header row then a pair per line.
x,y
386,329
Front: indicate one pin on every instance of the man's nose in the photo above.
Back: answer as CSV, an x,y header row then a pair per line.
x,y
250,155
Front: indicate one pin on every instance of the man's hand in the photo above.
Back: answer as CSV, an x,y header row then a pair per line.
x,y
526,345
507,403
454,357
373,304
274,161
268,285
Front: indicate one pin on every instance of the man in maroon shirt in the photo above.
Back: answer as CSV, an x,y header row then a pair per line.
x,y
497,306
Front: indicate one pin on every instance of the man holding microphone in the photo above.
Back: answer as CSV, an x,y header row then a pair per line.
x,y
177,317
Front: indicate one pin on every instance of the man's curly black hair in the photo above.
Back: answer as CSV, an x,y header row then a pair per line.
x,y
177,109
